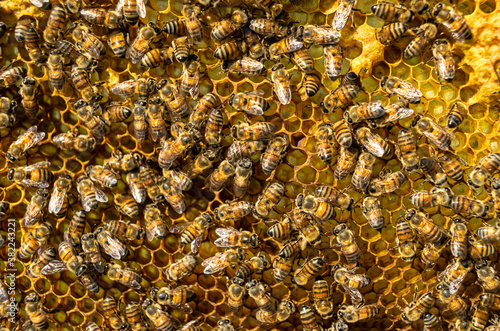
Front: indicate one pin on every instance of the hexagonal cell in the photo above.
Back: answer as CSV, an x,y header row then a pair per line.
x,y
306,175
477,141
297,157
466,7
392,54
488,6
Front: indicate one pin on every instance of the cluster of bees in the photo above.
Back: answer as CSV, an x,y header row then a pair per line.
x,y
189,144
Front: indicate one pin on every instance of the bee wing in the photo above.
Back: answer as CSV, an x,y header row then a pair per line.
x,y
39,3
354,293
373,146
440,64
250,63
399,115
154,230
100,195
28,182
179,227
38,137
38,165
195,245
141,8
99,266
57,200
195,90
185,308
341,16
32,209
137,190
294,45
86,205
258,93
119,6
283,92
408,90
215,263
115,248
54,267
129,84
188,325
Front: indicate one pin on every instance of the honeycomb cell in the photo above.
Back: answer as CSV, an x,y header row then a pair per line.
x,y
380,69
488,6
477,141
392,54
306,175
466,7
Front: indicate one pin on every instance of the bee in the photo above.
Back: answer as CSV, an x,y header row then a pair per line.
x,y
257,131
157,56
69,261
454,274
174,197
488,278
182,268
270,27
270,197
102,17
390,32
68,50
436,197
387,184
432,232
90,248
155,119
22,26
353,314
451,166
29,245
55,25
132,10
345,238
137,187
140,45
307,226
310,86
258,51
140,124
392,113
343,13
456,115
35,312
274,153
111,246
350,281
28,139
433,171
207,102
76,227
417,308
34,210
445,64
58,204
143,87
341,97
454,302
323,137
124,276
89,281
229,258
330,195
432,322
333,61
202,162
233,211
35,175
317,207
281,81
81,82
322,299
241,149
255,265
11,76
453,22
195,232
228,26
463,325
372,142
282,267
430,254
224,325
155,226
286,45
134,316
230,237
176,104
479,250
362,112
242,175
178,179
390,12
468,206
263,300
44,258
423,35
126,205
125,230
104,176
55,69
282,229
7,116
181,47
393,85
191,22
171,150
308,319
87,41
149,178
118,44
373,213
95,124
123,162
303,60
176,298
363,171
175,27
484,170
345,162
190,82
33,46
480,318
319,35
110,311
249,102
245,66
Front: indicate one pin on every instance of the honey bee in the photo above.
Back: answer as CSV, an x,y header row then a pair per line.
x,y
284,311
102,17
432,232
362,112
182,268
35,312
241,149
171,150
343,13
468,206
126,205
155,119
29,245
124,276
193,233
132,10
282,267
282,229
345,238
34,210
311,83
345,162
353,314
174,197
137,187
190,82
143,87
55,25
422,7
373,213
484,170
157,56
454,274
58,204
229,258
270,27
224,325
445,64
432,322
390,12
69,261
488,278
134,316
22,26
95,124
480,318
230,237
110,311
322,299
117,41
233,211
105,177
250,102
242,174
290,44
176,298
33,46
245,66
458,243
175,103
44,258
55,69
341,97
228,26
140,45
281,81
423,35
11,76
393,85
111,246
255,265
81,82
433,171
35,175
257,131
330,195
308,319
89,281
7,116
25,141
87,41
125,230
414,311
303,60
90,248
319,35
123,162
333,61
270,197
451,166
181,47
453,22
363,171
274,153
263,300
456,115
76,227
175,27
140,124
478,250
454,302
390,32
191,22
323,137
436,197
149,178
372,142
350,281
430,254
489,234
202,162
68,50
317,207
392,113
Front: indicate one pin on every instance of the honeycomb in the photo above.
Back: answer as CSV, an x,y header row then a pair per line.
x,y
393,281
